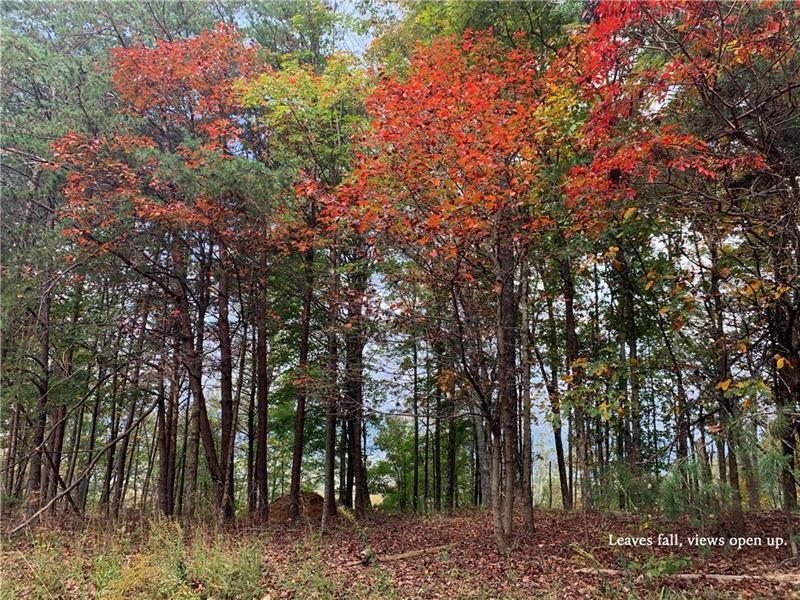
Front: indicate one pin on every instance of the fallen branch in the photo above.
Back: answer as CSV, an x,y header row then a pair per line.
x,y
401,556
776,577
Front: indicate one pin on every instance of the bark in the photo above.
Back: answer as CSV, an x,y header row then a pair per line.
x,y
227,420
40,419
631,340
122,454
55,452
786,336
353,397
113,429
252,495
506,369
345,462
573,352
415,409
555,407
437,433
498,521
84,484
484,460
354,379
11,455
329,506
728,409
302,388
525,371
451,458
262,403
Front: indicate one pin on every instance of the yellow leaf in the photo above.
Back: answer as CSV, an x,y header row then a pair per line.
x,y
663,310
600,369
780,291
780,361
649,284
628,213
724,385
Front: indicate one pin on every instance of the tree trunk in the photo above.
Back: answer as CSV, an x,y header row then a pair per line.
x,y
728,410
451,457
11,455
573,351
437,434
353,391
122,454
506,369
525,371
227,421
415,409
631,340
329,506
498,521
555,406
302,387
252,495
40,419
262,402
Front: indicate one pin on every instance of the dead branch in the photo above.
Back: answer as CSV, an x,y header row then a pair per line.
x,y
401,556
776,577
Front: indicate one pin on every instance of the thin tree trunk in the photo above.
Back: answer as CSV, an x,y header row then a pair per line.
x,y
578,427
437,434
415,408
227,420
262,403
450,491
728,410
500,533
11,456
525,370
43,388
302,388
631,339
506,368
329,506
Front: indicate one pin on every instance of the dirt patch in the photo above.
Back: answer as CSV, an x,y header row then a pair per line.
x,y
311,505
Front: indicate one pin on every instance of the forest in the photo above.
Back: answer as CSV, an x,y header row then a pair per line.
x,y
400,298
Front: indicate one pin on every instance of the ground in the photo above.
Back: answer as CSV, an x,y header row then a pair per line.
x,y
161,559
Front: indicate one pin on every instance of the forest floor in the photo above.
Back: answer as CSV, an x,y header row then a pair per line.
x,y
159,559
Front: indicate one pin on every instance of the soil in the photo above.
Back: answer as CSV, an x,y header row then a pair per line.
x,y
311,505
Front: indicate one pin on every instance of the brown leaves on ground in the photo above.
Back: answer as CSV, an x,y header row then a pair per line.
x,y
435,556
542,563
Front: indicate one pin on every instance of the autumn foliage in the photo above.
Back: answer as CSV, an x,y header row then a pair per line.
x,y
510,254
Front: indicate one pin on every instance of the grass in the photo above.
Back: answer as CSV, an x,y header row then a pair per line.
x,y
165,562
159,558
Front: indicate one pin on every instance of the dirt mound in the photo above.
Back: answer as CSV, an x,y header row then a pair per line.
x,y
310,507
